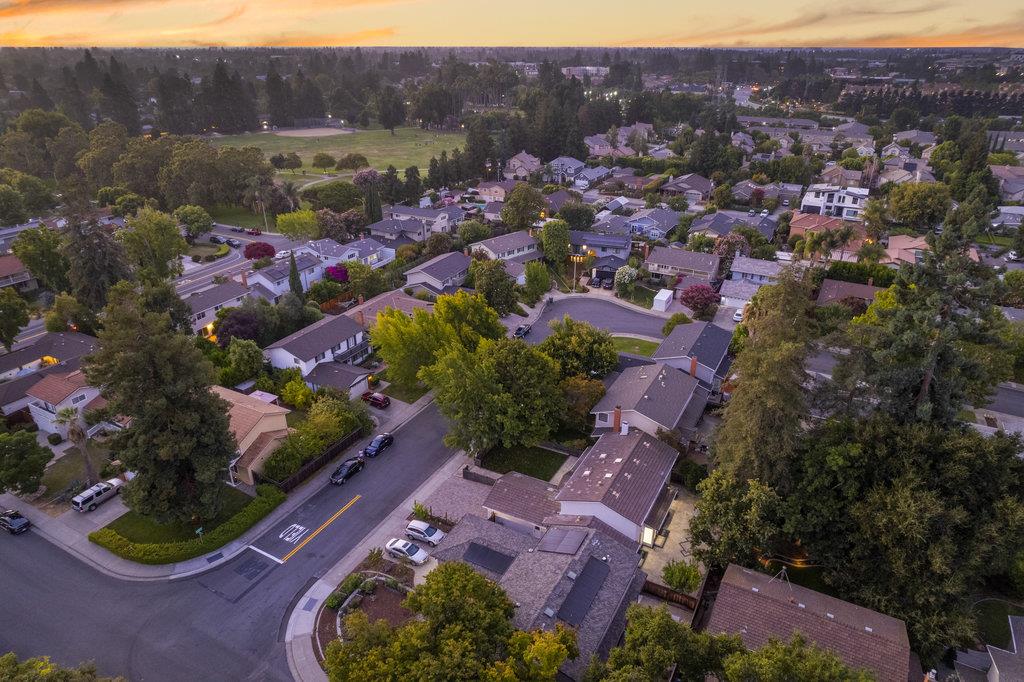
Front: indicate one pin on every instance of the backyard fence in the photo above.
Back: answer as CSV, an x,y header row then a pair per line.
x,y
313,465
670,595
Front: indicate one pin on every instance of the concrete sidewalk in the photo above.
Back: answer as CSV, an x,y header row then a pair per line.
x,y
302,620
70,530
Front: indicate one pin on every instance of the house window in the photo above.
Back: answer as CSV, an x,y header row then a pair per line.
x,y
602,416
321,356
296,361
77,399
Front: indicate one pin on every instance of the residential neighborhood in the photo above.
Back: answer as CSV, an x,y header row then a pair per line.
x,y
510,363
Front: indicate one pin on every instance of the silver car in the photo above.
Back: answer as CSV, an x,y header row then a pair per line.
x,y
93,497
403,549
424,532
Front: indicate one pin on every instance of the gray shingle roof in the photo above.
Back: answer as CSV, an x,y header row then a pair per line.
x,y
444,266
507,242
625,473
658,392
318,337
61,345
220,294
365,247
613,224
739,288
336,374
522,497
328,247
280,269
708,342
608,241
396,226
756,266
687,260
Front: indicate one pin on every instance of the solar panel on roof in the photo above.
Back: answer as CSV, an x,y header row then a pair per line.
x,y
487,558
581,597
562,540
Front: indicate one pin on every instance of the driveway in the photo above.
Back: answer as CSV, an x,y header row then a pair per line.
x,y
602,314
227,624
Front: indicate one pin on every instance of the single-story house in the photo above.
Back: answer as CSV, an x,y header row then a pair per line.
x,y
669,262
652,398
365,313
654,223
492,211
366,251
759,608
556,200
835,291
700,349
440,275
737,293
392,229
589,177
600,244
520,245
349,379
259,428
696,189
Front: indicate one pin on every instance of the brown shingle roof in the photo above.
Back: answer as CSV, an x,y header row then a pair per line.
x,y
366,313
10,265
833,291
625,473
244,411
57,387
759,608
262,442
522,497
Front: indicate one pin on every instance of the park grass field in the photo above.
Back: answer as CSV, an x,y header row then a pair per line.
x,y
407,147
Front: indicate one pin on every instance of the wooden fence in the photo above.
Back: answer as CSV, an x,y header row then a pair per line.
x,y
670,595
314,465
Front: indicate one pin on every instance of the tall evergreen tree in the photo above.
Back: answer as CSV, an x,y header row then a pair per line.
x,y
178,442
96,262
294,281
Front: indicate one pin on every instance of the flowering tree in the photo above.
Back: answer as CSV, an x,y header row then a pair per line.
x,y
256,250
624,278
339,273
728,247
700,298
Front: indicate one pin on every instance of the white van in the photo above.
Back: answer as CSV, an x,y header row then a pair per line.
x,y
93,497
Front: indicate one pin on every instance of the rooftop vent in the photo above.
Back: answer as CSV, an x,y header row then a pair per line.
x,y
755,589
618,459
867,629
549,612
571,575
800,605
607,475
586,472
830,615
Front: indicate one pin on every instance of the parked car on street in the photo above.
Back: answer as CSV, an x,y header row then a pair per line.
x,y
254,232
231,241
764,213
13,522
424,532
374,399
403,549
347,469
216,239
1012,256
380,443
93,497
521,331
238,229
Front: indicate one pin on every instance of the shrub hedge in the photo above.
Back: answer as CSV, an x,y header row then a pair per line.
x,y
267,499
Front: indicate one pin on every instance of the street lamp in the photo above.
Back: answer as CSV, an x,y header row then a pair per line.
x,y
577,258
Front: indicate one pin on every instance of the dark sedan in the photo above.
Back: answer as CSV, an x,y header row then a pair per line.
x,y
347,469
379,444
13,522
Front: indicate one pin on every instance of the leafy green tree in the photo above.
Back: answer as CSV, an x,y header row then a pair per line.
x,y
352,161
323,160
39,249
580,348
196,220
294,280
555,239
297,394
437,244
523,207
472,231
538,282
67,313
338,196
96,261
324,290
506,392
178,441
390,109
875,218
13,316
298,225
736,522
364,280
154,244
674,321
12,206
22,464
581,394
796,661
72,420
577,215
245,357
491,280
919,205
682,576
42,669
162,297
654,643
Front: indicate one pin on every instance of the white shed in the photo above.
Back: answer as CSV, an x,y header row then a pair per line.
x,y
662,300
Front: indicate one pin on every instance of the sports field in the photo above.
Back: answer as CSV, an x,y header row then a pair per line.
x,y
407,147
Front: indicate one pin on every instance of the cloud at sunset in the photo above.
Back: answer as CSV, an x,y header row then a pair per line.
x,y
128,23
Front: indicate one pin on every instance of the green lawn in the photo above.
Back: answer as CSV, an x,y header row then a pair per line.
x,y
141,529
202,249
536,462
993,626
641,296
624,344
407,394
69,468
407,147
998,239
243,217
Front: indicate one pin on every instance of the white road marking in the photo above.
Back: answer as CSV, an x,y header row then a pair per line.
x,y
269,556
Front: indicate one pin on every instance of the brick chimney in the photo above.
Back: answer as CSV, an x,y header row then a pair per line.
x,y
693,366
617,417
245,279
361,318
361,300
647,249
465,251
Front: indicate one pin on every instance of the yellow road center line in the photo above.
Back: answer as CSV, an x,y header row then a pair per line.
x,y
326,523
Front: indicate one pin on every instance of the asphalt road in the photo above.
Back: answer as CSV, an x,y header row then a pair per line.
x,y
601,314
227,624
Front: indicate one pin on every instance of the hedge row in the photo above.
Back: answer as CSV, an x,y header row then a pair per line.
x,y
267,499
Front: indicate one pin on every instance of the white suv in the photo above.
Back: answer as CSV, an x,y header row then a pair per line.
x,y
89,499
424,532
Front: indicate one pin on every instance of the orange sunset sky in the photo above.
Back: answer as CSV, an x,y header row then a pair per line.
x,y
124,23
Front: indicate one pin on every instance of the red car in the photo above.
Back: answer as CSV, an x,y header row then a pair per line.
x,y
254,232
378,400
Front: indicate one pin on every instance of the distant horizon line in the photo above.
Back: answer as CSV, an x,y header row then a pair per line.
x,y
746,48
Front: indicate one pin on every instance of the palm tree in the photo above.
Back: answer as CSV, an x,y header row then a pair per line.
x,y
871,252
291,192
813,245
842,237
69,417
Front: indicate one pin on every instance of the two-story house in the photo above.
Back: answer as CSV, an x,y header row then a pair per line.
x,y
259,428
600,245
590,177
335,338
205,304
55,392
13,273
564,169
435,220
515,248
392,229
496,190
833,200
522,166
274,278
440,275
366,251
654,223
696,189
23,367
700,349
